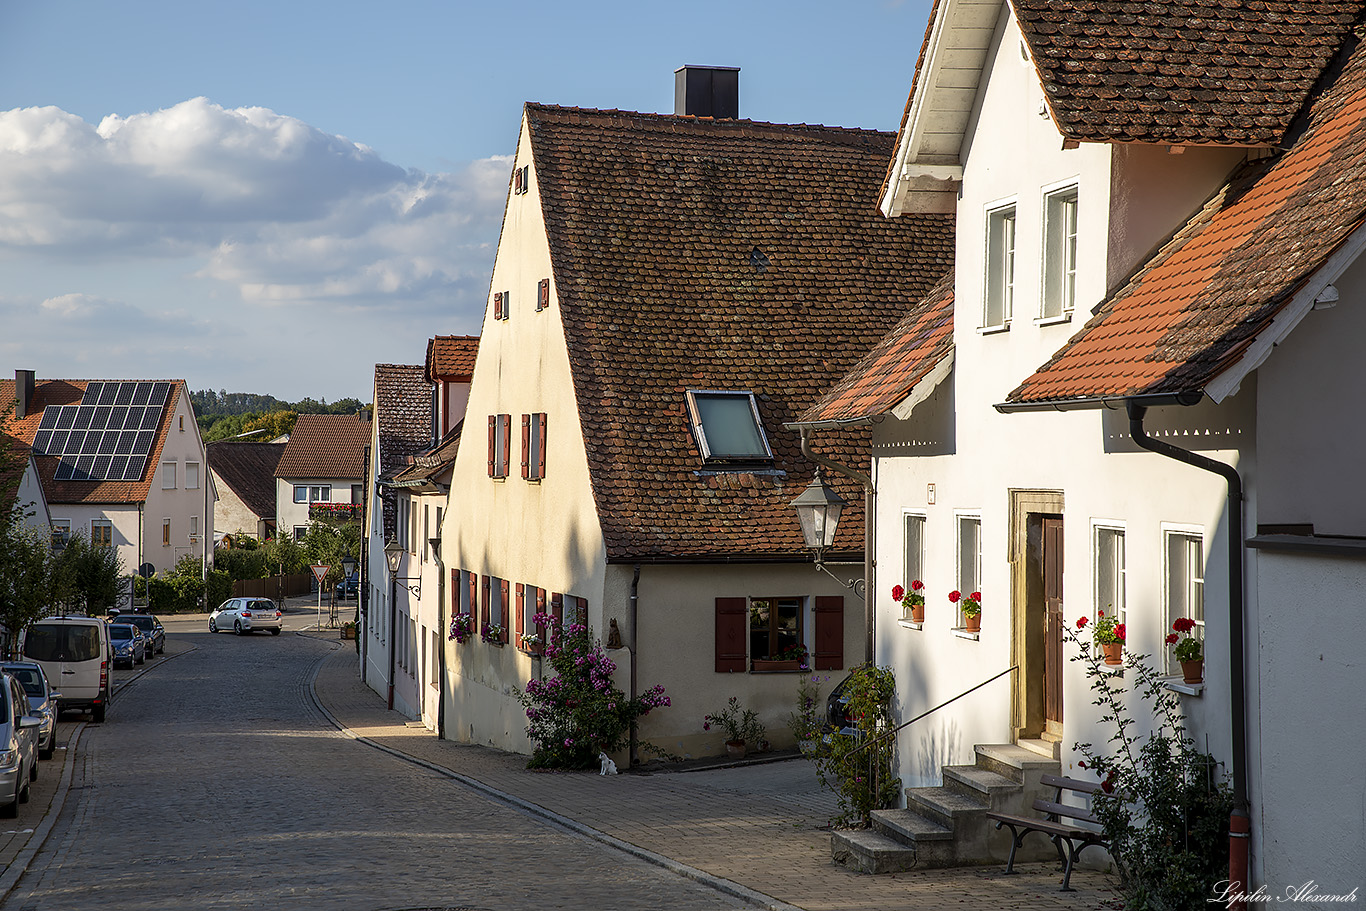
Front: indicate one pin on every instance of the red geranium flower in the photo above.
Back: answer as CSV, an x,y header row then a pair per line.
x,y
955,595
1081,621
1183,624
897,592
976,596
917,585
1171,638
1119,632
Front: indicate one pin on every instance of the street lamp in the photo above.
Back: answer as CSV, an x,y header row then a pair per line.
x,y
818,510
393,552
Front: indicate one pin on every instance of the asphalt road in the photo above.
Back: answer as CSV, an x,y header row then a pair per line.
x,y
216,783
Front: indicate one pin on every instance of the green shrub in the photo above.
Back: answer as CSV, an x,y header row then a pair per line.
x,y
858,767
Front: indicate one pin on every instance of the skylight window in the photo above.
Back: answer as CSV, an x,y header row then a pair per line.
x,y
727,426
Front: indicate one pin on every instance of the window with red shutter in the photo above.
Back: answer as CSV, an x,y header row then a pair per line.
x,y
505,457
472,599
455,592
520,622
526,446
540,445
487,612
504,601
829,636
556,613
543,294
732,615
498,305
493,445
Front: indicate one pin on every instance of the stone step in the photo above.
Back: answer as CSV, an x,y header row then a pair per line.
x,y
991,788
933,843
1014,761
869,851
943,805
1048,749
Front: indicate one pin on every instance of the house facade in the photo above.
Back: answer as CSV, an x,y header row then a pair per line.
x,y
657,298
1173,264
323,464
120,462
244,476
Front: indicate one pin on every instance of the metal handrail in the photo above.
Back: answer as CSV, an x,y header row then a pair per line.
x,y
893,731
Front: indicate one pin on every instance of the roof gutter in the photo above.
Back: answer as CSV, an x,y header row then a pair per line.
x,y
1239,821
1113,402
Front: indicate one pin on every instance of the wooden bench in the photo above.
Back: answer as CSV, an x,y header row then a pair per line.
x,y
1051,824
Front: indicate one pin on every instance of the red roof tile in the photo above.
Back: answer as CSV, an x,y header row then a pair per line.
x,y
451,357
690,253
326,446
1194,308
1228,72
889,372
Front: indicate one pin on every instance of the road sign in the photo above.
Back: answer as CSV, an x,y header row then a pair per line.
x,y
320,571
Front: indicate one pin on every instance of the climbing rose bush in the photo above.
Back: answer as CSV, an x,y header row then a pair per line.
x,y
579,711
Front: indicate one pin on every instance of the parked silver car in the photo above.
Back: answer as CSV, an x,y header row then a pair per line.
x,y
245,615
18,746
42,701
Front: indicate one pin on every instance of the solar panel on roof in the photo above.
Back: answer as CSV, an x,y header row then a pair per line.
x,y
134,470
49,421
84,414
143,446
150,417
118,466
101,418
109,393
141,394
126,440
91,396
41,439
125,395
100,471
159,393
117,415
82,471
57,444
64,469
92,443
73,442
109,442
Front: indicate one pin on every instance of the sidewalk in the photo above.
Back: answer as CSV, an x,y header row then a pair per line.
x,y
757,827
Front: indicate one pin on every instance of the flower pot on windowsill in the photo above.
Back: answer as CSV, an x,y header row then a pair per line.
x,y
774,664
735,749
1113,652
1193,670
916,614
973,623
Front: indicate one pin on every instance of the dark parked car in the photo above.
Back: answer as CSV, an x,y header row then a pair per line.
x,y
42,701
152,630
349,587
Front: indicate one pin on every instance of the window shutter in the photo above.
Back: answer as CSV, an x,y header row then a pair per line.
x,y
581,611
517,181
732,615
507,445
474,594
557,612
455,592
504,601
493,443
829,613
521,609
485,613
540,450
543,294
498,305
526,446
540,604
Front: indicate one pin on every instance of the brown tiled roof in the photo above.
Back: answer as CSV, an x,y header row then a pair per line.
x,y
69,392
248,468
1194,308
326,446
432,462
1228,72
403,410
698,254
451,357
889,372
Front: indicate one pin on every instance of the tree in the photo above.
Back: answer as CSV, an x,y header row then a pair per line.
x,y
87,575
328,542
26,578
275,424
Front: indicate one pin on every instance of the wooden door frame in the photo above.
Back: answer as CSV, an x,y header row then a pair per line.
x,y
1026,507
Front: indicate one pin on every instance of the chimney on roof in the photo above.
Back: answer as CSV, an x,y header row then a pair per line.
x,y
707,91
23,392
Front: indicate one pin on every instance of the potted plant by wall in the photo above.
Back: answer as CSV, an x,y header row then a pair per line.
x,y
805,722
972,609
1109,635
742,726
912,602
531,644
462,628
492,633
1187,650
792,658
348,629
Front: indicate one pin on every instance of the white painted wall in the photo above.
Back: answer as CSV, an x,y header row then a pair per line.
x,y
231,515
288,514
30,498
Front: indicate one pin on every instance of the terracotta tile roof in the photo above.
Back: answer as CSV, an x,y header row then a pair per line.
x,y
1229,72
451,357
326,446
690,253
248,468
1194,308
69,392
889,372
403,412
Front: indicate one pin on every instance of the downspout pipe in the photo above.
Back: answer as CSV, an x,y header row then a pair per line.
x,y
393,625
869,514
1240,824
635,660
435,544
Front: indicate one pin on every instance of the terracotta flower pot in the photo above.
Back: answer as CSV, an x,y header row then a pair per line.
x,y
1193,670
1114,652
918,613
973,624
735,749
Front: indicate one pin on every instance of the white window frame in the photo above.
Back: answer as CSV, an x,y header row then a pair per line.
x,y
168,475
999,279
912,552
961,580
300,493
1102,529
498,611
1193,587
300,528
502,443
1058,297
101,523
194,528
166,532
191,475
535,447
699,432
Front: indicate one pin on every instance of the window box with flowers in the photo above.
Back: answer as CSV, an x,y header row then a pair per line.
x,y
971,606
791,659
1187,650
493,634
532,644
912,602
1109,635
462,629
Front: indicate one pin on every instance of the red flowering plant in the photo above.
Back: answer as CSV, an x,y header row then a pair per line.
x,y
971,605
913,598
1187,646
1107,629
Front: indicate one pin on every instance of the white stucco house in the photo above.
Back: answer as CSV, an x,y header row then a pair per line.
x,y
1130,397
323,464
121,463
243,472
663,300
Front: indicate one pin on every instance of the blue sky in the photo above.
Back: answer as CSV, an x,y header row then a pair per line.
x,y
273,197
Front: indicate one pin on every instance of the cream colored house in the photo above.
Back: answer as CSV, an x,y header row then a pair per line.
x,y
244,476
1185,269
323,465
664,299
121,463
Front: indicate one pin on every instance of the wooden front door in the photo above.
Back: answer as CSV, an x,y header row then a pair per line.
x,y
1053,621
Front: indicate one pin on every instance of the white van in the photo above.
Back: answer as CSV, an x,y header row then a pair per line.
x,y
75,654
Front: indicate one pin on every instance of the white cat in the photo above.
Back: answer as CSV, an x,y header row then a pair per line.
x,y
608,766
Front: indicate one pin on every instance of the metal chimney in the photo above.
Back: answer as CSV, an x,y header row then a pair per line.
x,y
23,392
707,91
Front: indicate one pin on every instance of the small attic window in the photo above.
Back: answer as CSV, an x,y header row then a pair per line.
x,y
727,426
